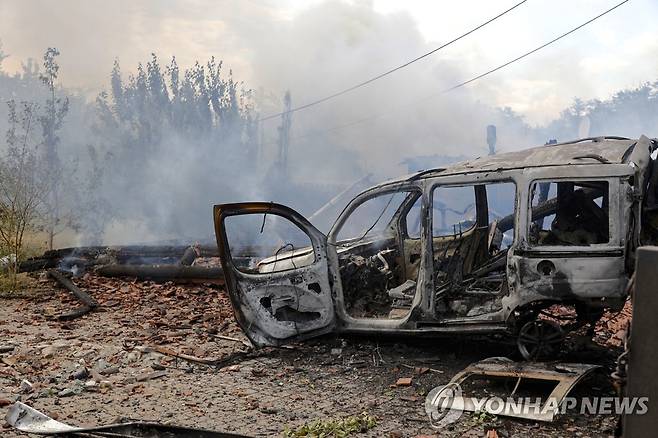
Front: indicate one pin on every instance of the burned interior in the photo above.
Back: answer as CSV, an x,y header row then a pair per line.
x,y
569,213
378,264
473,227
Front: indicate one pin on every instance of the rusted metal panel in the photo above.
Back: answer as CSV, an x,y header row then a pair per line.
x,y
564,375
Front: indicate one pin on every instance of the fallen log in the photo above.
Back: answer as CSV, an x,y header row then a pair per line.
x,y
163,272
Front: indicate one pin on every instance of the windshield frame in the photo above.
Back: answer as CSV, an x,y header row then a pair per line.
x,y
414,189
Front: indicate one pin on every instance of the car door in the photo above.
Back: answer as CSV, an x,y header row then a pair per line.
x,y
575,240
276,270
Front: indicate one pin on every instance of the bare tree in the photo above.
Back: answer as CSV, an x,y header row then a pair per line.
x,y
21,187
51,122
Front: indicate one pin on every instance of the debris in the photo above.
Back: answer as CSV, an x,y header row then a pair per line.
x,y
6,348
268,410
228,338
89,256
80,374
107,371
25,387
88,302
190,255
421,370
564,375
67,392
187,357
151,376
29,420
403,381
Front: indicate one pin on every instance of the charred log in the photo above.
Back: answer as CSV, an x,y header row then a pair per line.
x,y
88,256
81,295
88,302
163,272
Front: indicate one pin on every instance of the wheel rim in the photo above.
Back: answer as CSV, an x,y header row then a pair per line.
x,y
539,338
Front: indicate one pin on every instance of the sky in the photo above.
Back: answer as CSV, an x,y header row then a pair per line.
x,y
276,44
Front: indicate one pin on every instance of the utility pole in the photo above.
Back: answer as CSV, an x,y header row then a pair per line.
x,y
284,134
491,139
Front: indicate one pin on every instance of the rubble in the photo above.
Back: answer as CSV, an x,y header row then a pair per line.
x,y
251,395
403,381
254,396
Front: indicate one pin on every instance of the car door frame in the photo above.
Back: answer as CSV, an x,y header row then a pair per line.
x,y
525,281
243,288
348,323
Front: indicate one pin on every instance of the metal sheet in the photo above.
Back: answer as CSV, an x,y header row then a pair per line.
x,y
566,375
29,420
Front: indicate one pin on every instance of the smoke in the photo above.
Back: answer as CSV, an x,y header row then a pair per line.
x,y
313,52
332,45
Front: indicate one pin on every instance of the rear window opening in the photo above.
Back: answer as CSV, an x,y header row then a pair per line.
x,y
572,213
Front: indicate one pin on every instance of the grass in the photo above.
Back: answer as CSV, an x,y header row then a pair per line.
x,y
333,428
25,286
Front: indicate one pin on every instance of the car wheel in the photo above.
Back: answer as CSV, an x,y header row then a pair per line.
x,y
539,339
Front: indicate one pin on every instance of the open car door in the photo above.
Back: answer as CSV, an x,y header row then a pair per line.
x,y
276,270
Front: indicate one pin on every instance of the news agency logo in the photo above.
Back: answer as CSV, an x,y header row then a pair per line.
x,y
445,404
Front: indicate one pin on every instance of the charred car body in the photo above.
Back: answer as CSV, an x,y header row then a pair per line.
x,y
482,247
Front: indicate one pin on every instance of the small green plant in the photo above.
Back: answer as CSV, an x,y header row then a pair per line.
x,y
333,428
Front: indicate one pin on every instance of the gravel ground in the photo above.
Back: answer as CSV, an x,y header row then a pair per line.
x,y
104,368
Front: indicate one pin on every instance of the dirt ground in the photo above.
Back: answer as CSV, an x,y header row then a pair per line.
x,y
104,368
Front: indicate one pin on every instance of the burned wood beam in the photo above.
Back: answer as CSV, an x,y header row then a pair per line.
x,y
81,295
163,272
75,313
94,255
88,302
190,255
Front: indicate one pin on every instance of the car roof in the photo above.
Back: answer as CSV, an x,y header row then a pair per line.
x,y
596,150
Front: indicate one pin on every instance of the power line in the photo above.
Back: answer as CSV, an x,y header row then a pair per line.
x,y
393,70
462,84
493,70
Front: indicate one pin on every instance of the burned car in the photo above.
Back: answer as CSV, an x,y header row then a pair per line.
x,y
483,247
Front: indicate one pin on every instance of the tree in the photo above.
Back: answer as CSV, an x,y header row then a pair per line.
x,y
3,55
21,185
51,122
195,125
